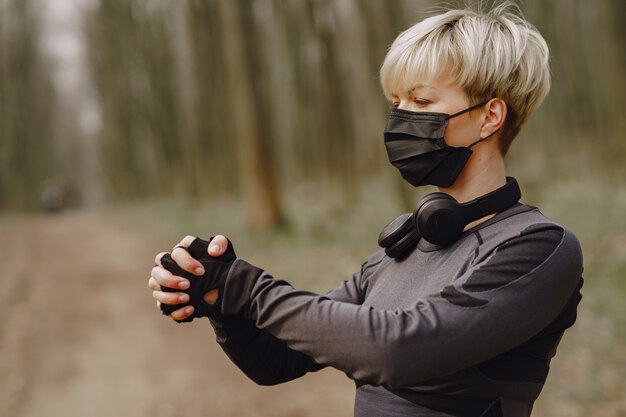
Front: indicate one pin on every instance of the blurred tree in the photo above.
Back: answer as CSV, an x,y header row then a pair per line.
x,y
580,113
187,84
131,62
215,133
249,109
26,102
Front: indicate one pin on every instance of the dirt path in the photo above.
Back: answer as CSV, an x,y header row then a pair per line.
x,y
80,334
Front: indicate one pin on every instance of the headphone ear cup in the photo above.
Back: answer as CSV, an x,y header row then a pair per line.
x,y
398,236
438,219
403,246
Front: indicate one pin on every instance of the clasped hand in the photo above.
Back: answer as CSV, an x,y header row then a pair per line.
x,y
166,286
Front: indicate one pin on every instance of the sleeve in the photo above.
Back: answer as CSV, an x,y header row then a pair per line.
x,y
266,359
503,301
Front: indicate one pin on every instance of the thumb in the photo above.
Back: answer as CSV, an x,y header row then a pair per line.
x,y
218,245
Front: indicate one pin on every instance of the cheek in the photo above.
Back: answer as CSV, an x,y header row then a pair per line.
x,y
460,134
454,135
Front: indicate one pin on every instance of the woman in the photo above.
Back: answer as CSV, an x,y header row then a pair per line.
x,y
462,312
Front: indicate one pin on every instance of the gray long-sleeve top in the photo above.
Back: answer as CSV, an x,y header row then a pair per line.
x,y
465,330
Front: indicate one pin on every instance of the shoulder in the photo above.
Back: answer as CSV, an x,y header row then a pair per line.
x,y
531,244
528,228
526,257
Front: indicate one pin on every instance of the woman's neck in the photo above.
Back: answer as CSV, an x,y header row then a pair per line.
x,y
483,173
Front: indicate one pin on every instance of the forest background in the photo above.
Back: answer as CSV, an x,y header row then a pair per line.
x,y
126,124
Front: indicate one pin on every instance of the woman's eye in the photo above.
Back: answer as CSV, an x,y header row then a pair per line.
x,y
421,102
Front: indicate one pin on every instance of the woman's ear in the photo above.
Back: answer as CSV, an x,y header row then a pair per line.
x,y
495,116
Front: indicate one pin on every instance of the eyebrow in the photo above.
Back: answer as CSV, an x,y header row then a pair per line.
x,y
410,90
420,86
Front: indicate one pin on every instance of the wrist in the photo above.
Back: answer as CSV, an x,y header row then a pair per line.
x,y
238,287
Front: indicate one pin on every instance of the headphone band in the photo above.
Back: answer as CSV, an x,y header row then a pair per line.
x,y
440,219
494,201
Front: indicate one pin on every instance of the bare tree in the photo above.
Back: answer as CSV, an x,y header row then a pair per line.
x,y
26,102
187,84
254,155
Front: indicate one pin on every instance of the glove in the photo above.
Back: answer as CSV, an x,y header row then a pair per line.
x,y
215,272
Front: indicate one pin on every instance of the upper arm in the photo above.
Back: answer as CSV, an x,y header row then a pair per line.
x,y
505,300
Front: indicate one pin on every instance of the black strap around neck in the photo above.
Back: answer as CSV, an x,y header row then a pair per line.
x,y
495,201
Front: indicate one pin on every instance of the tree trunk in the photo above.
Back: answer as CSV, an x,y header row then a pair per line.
x,y
187,85
255,165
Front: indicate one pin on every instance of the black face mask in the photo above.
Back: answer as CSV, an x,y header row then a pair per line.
x,y
415,145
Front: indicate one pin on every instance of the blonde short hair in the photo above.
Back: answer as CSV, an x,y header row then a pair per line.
x,y
489,54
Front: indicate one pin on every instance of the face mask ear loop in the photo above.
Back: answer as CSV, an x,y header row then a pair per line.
x,y
475,106
485,138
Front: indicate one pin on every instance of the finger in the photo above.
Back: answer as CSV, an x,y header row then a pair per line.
x,y
153,284
165,278
182,313
171,298
186,242
157,259
218,245
186,261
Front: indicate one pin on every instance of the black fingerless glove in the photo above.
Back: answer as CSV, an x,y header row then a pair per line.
x,y
215,272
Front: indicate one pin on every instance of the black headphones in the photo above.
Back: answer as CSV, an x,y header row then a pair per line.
x,y
440,219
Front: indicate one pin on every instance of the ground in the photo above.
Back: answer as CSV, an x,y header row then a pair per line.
x,y
81,335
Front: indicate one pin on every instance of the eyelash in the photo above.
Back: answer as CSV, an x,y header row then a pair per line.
x,y
418,101
421,101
